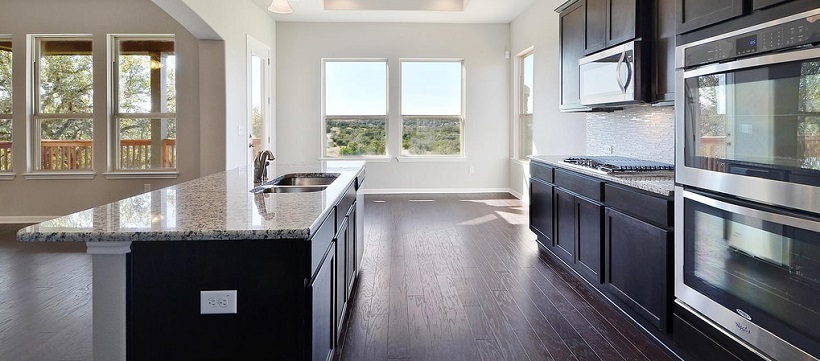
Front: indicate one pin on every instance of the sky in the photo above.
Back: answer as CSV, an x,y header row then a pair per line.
x,y
360,88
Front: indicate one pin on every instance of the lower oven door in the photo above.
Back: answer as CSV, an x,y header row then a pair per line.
x,y
752,269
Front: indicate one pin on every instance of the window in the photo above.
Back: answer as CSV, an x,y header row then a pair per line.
x,y
431,108
63,106
144,123
525,87
355,108
5,105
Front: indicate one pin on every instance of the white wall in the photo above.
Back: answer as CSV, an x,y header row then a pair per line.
x,y
23,200
301,46
553,132
233,20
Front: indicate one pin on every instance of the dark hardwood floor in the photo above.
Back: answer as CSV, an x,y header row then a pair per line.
x,y
459,277
444,277
45,299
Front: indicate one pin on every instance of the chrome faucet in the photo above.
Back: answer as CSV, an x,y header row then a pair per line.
x,y
260,166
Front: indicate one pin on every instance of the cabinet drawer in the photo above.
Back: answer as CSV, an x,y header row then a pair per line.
x,y
541,171
343,208
320,241
586,186
656,209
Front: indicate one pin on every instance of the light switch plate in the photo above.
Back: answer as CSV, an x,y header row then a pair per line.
x,y
217,302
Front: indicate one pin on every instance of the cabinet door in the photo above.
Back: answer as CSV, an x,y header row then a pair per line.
x,y
664,64
621,25
590,241
541,211
350,262
695,14
639,272
572,49
595,26
321,293
340,279
565,225
759,4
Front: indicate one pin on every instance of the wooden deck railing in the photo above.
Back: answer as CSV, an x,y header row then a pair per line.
x,y
5,156
77,154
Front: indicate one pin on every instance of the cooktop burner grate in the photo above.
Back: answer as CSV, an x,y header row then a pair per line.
x,y
617,164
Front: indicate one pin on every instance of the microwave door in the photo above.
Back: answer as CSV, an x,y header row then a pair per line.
x,y
605,80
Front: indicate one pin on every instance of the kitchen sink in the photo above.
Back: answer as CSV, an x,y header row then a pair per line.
x,y
305,179
290,189
297,183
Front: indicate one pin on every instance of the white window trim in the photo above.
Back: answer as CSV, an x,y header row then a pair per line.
x,y
33,106
518,65
324,115
9,175
435,158
113,150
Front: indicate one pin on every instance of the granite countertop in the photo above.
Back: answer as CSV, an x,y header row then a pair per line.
x,y
660,184
215,207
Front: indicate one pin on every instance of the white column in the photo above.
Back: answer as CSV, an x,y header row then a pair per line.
x,y
108,299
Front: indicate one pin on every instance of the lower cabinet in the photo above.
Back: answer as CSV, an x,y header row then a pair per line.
x,y
578,233
639,267
342,243
541,211
320,293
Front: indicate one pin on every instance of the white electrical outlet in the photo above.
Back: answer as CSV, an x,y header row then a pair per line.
x,y
213,302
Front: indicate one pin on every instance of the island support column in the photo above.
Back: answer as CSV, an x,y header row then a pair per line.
x,y
108,299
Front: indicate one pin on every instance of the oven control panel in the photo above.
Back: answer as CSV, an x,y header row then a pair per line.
x,y
782,36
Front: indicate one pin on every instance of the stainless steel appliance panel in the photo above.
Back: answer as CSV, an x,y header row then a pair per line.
x,y
610,76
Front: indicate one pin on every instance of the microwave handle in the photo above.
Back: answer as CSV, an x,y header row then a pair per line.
x,y
628,73
621,84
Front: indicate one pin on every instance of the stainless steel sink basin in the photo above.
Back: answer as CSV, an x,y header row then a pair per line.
x,y
305,179
297,183
291,189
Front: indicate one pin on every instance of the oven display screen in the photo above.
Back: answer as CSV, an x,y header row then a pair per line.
x,y
746,44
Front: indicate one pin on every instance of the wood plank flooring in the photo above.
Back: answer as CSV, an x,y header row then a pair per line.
x,y
459,277
444,277
45,299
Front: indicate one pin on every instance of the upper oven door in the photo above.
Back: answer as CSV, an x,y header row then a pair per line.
x,y
751,128
608,76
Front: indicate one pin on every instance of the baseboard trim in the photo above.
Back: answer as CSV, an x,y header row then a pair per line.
x,y
516,194
24,219
436,190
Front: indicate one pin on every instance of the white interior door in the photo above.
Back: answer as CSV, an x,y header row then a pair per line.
x,y
260,128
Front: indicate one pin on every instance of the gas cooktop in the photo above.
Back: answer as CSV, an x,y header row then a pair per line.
x,y
621,165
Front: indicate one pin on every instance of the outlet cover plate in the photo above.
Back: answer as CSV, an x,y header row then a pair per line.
x,y
217,302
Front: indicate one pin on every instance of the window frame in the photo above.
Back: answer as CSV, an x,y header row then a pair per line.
x,y
324,115
114,116
521,101
8,174
34,167
461,117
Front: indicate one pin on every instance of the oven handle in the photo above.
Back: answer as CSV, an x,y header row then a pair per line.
x,y
802,223
774,58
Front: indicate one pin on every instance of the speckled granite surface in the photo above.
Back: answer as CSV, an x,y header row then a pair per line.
x,y
663,185
215,207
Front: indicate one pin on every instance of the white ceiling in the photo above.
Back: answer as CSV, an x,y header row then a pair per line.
x,y
476,11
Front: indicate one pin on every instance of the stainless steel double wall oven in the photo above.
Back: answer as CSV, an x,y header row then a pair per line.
x,y
747,242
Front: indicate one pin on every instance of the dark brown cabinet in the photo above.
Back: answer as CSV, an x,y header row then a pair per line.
x,y
696,14
663,60
340,276
638,241
759,4
618,238
321,296
610,22
578,233
572,48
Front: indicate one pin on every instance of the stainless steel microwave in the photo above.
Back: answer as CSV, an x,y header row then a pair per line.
x,y
613,76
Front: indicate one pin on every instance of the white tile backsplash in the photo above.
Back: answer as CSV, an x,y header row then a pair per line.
x,y
643,132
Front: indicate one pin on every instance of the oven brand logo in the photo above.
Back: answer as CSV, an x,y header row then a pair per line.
x,y
743,314
744,329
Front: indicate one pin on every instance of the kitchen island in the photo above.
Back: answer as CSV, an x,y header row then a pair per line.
x,y
292,259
